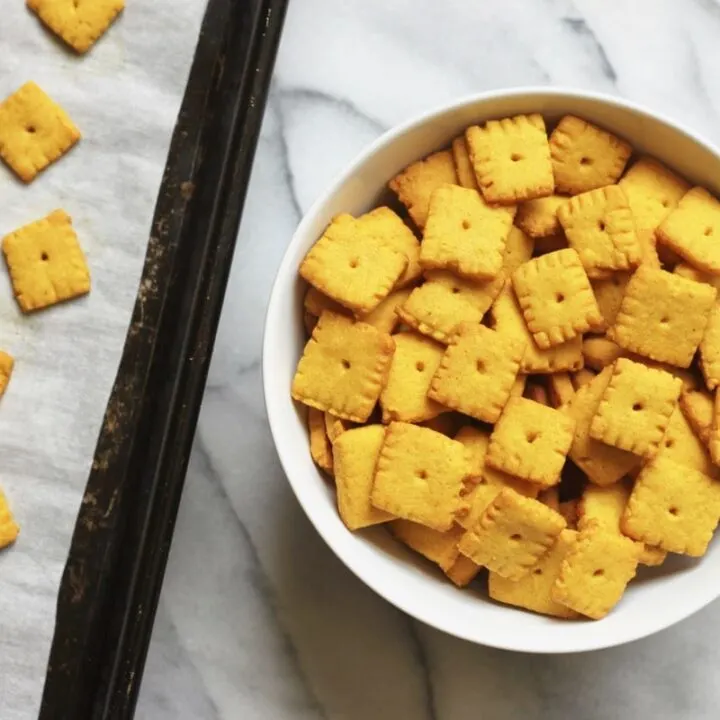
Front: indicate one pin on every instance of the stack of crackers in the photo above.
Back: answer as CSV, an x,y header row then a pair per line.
x,y
514,369
46,263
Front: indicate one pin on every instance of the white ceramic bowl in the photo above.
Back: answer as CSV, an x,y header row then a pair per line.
x,y
659,597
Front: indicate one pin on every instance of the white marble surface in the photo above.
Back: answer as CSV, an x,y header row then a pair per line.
x,y
258,619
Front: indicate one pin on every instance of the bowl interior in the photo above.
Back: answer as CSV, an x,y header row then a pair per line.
x,y
660,596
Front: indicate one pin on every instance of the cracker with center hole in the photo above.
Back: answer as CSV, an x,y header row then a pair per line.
x,y
604,465
509,321
320,446
600,226
531,442
9,529
609,294
653,191
79,23
595,571
354,264
692,230
463,571
512,535
445,300
438,547
710,349
34,131
684,447
556,299
560,388
384,317
584,157
599,352
534,590
697,406
6,367
635,408
46,264
355,455
463,164
421,476
673,507
518,250
343,368
464,234
316,303
511,159
538,218
335,426
416,183
477,372
663,316
405,396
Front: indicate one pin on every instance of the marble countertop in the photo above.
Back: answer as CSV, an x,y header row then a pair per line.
x,y
258,619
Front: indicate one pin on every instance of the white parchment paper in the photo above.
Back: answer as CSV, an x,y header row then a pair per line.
x,y
124,96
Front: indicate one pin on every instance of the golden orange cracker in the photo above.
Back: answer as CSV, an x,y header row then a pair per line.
x,y
9,529
34,131
518,250
534,590
582,377
463,571
477,372
603,464
384,317
681,445
518,388
538,218
405,396
444,301
416,183
463,164
343,368
475,441
320,446
599,352
584,157
421,476
692,230
509,321
512,535
464,234
316,303
710,349
531,441
80,23
440,548
697,407
46,263
511,159
355,455
600,226
673,507
561,389
595,571
663,316
653,192
714,437
609,294
6,367
635,408
335,426
691,273
556,299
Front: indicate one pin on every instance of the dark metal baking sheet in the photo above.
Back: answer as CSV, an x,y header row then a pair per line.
x,y
112,580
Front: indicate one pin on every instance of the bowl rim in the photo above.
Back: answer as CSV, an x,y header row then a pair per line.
x,y
358,568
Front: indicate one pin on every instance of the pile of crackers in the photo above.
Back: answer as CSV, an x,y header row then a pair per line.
x,y
515,371
46,263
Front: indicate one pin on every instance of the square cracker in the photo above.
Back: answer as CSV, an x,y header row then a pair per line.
x,y
512,535
538,218
320,446
599,352
384,317
603,464
518,250
653,192
600,226
534,590
697,407
714,437
663,316
511,158
463,571
508,320
80,23
316,303
416,183
691,273
6,367
445,300
710,349
684,447
343,368
440,548
584,157
673,507
531,441
335,426
46,263
692,230
463,164
355,455
596,571
477,372
635,408
34,131
556,298
421,476
9,529
405,396
464,234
